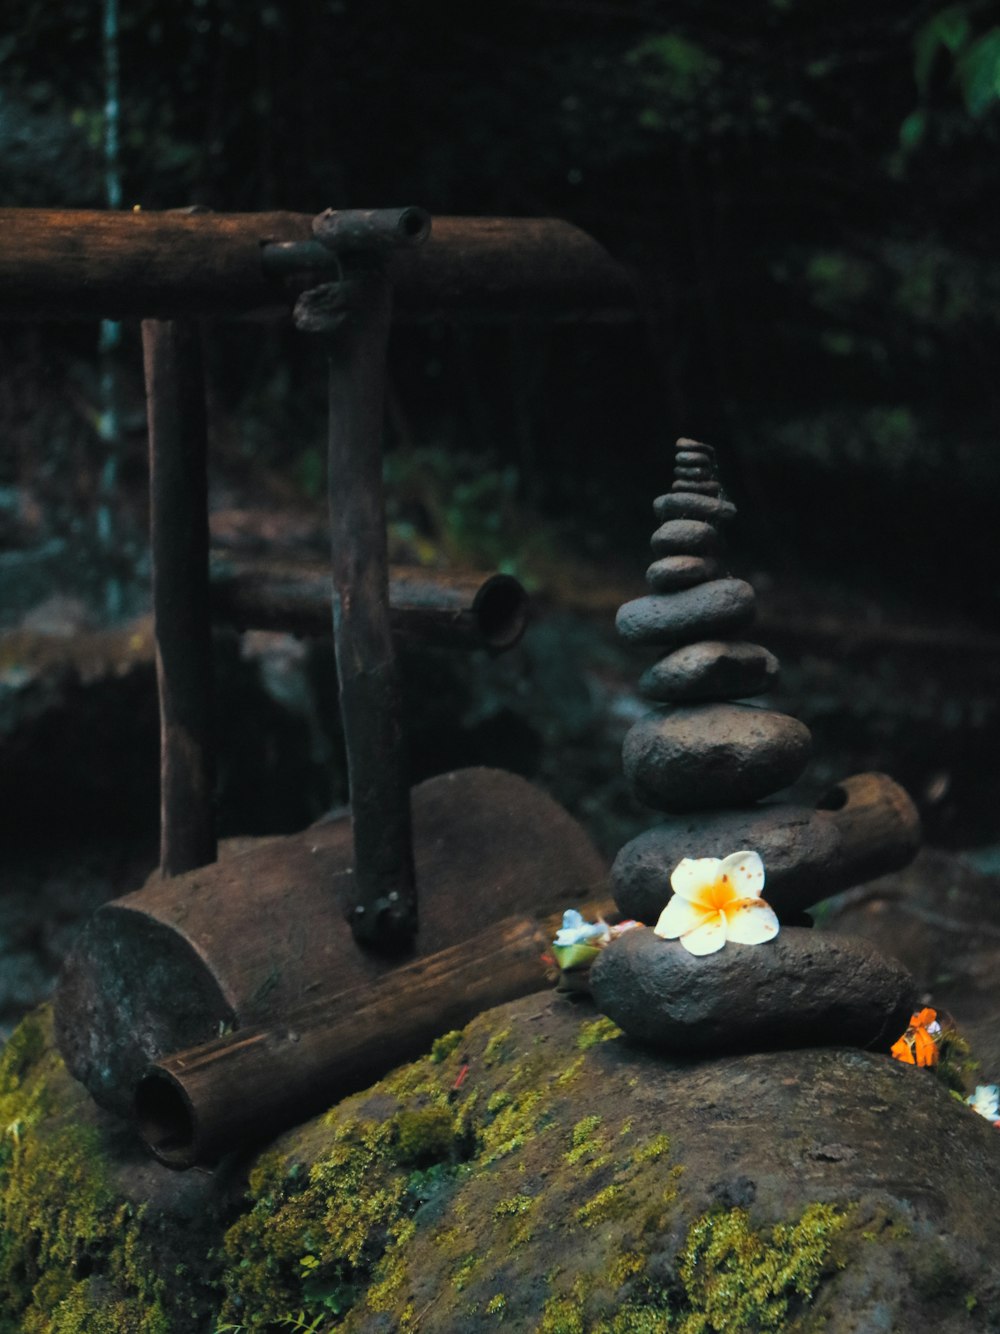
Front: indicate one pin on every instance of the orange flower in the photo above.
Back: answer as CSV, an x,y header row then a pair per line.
x,y
919,1044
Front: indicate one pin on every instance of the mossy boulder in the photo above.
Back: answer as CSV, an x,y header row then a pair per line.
x,y
535,1172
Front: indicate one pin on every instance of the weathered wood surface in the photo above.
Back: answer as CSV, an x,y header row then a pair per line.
x,y
353,317
193,1106
260,935
447,608
85,264
178,486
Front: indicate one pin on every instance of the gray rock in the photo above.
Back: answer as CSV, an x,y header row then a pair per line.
x,y
685,537
797,845
719,607
702,473
684,759
688,505
803,988
673,572
711,669
692,458
702,488
695,447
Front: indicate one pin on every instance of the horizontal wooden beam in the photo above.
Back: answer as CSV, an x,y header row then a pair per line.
x,y
86,264
446,608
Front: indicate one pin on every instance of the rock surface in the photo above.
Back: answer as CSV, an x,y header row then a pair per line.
x,y
796,845
718,607
673,572
711,669
681,505
686,537
713,755
537,1172
801,988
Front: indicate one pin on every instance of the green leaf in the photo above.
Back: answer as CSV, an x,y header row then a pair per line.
x,y
979,73
949,29
913,130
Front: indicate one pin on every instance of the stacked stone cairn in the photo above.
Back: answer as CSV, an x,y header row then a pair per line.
x,y
706,756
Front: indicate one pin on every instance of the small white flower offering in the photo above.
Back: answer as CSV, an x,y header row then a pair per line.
x,y
578,942
716,900
986,1101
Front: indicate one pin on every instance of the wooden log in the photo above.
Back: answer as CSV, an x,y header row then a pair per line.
x,y
178,485
238,942
354,316
450,609
195,1105
878,825
85,264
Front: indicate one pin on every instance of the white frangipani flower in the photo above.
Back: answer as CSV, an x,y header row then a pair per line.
x,y
715,901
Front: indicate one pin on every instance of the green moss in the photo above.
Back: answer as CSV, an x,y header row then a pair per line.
x,y
443,1046
736,1278
73,1256
600,1030
496,1049
425,1135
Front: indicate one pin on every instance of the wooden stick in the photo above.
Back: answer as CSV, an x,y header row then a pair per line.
x,y
453,609
84,264
175,403
197,1104
355,316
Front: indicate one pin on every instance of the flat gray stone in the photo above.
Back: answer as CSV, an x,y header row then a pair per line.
x,y
688,505
673,572
704,612
685,537
797,845
691,458
709,755
711,669
802,989
694,446
700,488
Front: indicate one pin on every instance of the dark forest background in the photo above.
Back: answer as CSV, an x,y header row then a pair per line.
x,y
807,195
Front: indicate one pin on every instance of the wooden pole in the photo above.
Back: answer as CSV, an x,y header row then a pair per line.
x,y
85,264
175,403
446,608
195,1105
354,316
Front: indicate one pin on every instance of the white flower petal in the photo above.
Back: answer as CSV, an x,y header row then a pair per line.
x,y
751,921
692,876
708,937
746,873
677,917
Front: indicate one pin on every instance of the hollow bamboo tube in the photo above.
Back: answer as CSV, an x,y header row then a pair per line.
x,y
453,609
175,405
198,1104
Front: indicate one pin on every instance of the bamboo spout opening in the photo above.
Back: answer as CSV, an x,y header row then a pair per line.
x,y
166,1120
501,612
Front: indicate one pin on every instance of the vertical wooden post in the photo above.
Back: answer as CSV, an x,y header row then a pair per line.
x,y
175,405
355,315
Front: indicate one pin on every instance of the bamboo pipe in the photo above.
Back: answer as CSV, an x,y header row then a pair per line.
x,y
87,264
195,1105
440,607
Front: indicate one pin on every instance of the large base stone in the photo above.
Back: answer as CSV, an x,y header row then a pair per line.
x,y
803,988
713,755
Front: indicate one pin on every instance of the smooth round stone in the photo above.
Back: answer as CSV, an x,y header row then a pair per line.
x,y
683,537
705,755
721,606
802,989
687,458
798,846
694,447
701,471
689,505
673,572
711,669
699,488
